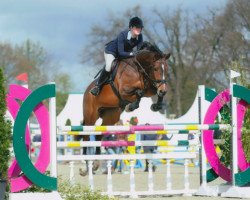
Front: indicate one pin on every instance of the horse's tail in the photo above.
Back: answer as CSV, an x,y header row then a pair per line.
x,y
83,123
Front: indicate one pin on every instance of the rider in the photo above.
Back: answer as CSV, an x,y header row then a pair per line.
x,y
121,47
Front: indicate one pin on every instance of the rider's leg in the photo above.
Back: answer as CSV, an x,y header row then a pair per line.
x,y
109,58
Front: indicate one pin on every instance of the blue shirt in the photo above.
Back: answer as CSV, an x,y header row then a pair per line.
x,y
149,137
123,45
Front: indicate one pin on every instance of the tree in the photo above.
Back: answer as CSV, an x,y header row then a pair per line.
x,y
28,57
218,43
7,60
171,30
32,58
203,47
63,86
5,132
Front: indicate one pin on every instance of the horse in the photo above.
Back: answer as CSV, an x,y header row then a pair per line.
x,y
136,77
140,76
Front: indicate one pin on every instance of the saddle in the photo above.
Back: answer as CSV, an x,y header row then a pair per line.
x,y
111,76
110,80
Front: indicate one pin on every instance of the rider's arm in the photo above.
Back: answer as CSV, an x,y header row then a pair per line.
x,y
140,42
121,52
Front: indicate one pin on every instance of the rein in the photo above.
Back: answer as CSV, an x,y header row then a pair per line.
x,y
154,82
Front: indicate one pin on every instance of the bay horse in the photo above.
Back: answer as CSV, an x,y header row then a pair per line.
x,y
136,77
140,76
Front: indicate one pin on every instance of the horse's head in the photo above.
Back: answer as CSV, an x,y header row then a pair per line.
x,y
154,62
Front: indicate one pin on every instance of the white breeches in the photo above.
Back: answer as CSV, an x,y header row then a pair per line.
x,y
109,58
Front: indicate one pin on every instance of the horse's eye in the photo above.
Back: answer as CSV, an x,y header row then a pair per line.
x,y
155,69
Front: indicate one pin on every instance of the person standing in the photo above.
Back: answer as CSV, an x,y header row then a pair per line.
x,y
149,149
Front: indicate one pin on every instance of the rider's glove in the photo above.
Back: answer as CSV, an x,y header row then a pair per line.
x,y
134,53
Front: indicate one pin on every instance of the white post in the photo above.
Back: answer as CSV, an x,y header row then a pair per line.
x,y
53,143
168,176
90,170
71,174
234,191
234,138
53,140
234,159
150,176
132,179
186,181
109,177
202,111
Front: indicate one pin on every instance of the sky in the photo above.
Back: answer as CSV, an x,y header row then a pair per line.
x,y
62,26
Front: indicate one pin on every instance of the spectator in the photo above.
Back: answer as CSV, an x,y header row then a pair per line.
x,y
89,151
120,149
110,150
149,149
134,137
134,121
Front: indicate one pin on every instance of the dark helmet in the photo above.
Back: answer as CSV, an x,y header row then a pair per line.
x,y
136,21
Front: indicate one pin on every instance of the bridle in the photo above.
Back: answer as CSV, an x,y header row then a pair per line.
x,y
154,82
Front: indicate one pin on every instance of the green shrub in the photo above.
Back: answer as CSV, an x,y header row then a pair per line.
x,y
79,192
5,134
69,192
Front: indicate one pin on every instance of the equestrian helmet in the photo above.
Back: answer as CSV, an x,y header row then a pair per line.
x,y
136,22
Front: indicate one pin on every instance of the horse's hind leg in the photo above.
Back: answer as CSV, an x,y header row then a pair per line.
x,y
111,116
90,116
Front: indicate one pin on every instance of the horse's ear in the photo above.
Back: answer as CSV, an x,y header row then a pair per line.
x,y
167,55
144,45
157,57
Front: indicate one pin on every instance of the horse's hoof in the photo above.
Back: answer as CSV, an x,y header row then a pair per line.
x,y
127,108
83,173
96,165
156,107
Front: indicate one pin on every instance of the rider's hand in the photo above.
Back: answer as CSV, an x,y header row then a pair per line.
x,y
134,53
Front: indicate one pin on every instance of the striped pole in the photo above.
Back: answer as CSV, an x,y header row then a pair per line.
x,y
146,128
161,132
122,143
169,155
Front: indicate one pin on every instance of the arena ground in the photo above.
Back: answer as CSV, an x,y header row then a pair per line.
x,y
121,180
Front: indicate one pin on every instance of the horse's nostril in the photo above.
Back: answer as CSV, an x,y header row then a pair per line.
x,y
162,92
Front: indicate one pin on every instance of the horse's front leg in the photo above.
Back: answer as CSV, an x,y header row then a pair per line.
x,y
134,105
158,105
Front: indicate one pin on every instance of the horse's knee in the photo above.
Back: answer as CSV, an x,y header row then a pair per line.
x,y
132,106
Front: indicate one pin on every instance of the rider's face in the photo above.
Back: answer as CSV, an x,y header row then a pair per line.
x,y
136,31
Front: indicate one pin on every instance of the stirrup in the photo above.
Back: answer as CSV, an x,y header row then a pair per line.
x,y
95,91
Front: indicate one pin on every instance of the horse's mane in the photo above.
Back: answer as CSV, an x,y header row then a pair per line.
x,y
150,47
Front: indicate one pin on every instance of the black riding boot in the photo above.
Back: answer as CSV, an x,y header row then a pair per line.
x,y
101,80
